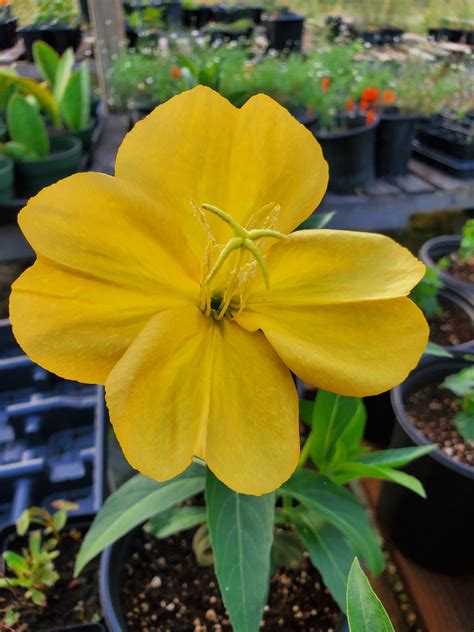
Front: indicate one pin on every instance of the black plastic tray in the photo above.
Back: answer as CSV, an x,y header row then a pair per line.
x,y
463,169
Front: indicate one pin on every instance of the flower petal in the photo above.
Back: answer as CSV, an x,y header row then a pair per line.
x,y
77,325
102,226
317,267
353,349
191,386
201,149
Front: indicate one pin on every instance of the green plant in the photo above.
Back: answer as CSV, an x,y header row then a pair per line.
x,y
65,95
27,131
365,612
32,571
466,250
56,12
147,20
425,294
315,512
5,11
462,385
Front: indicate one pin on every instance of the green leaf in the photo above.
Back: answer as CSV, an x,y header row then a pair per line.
x,y
75,104
241,530
59,519
437,350
331,414
63,74
339,507
15,562
46,60
464,423
23,522
137,500
460,383
317,220
175,520
41,93
287,550
352,434
329,552
349,471
365,611
306,411
397,457
26,126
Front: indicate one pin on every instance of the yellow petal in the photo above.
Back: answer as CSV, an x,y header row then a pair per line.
x,y
353,349
77,325
199,148
191,386
102,226
334,266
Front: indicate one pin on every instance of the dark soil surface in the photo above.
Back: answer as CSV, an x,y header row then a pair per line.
x,y
431,410
8,273
452,327
166,591
70,601
462,270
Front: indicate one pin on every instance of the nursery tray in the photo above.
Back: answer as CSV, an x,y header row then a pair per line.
x,y
51,436
463,169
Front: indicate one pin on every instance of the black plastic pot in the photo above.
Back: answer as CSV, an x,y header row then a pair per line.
x,y
58,36
33,175
395,134
284,31
197,17
437,531
350,154
6,178
8,34
391,34
84,4
111,568
435,249
173,14
380,415
305,117
228,14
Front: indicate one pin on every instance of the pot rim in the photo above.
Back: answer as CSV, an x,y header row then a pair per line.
x,y
70,147
353,131
397,397
451,296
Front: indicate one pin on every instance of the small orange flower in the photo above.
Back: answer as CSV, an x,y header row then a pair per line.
x,y
363,105
388,97
350,105
371,95
4,3
176,72
325,83
370,118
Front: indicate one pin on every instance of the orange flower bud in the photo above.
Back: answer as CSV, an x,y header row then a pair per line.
x,y
388,96
363,105
325,83
176,72
370,118
371,95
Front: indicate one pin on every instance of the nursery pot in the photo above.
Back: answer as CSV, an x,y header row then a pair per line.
x,y
350,154
437,531
196,17
8,36
284,31
439,137
395,134
112,564
56,35
173,13
64,159
6,178
435,249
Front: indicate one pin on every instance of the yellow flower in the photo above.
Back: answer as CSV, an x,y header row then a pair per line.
x,y
175,284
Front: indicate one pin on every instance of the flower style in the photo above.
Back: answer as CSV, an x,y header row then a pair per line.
x,y
176,284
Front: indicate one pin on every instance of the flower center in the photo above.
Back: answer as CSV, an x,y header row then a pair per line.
x,y
228,267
